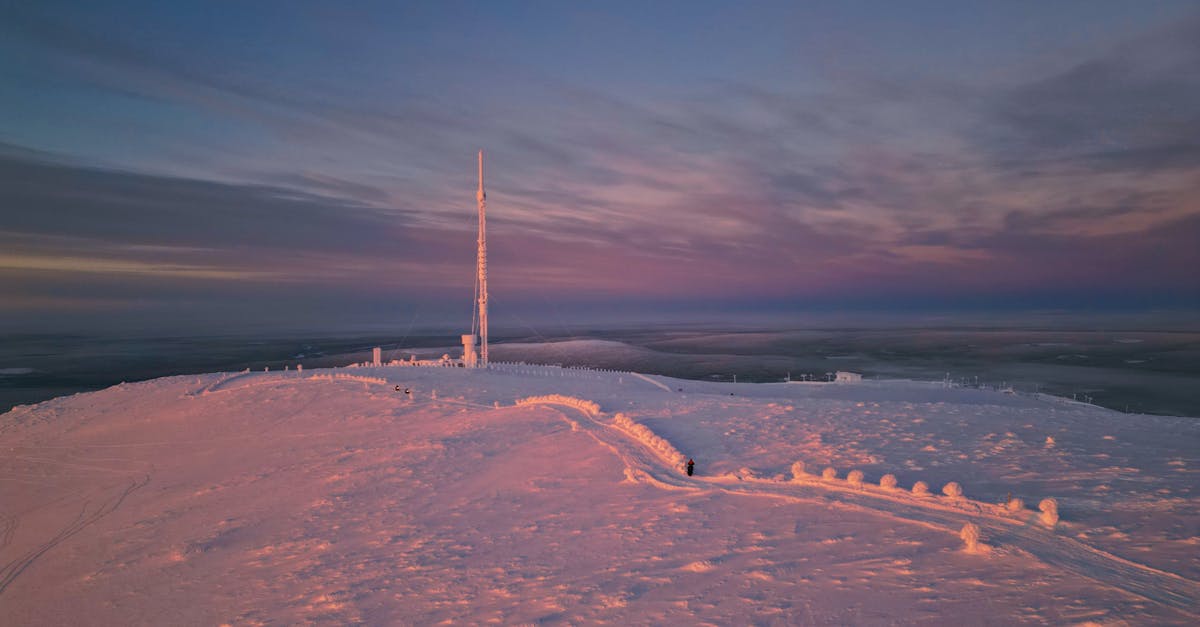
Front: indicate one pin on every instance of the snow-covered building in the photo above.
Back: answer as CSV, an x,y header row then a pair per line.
x,y
848,377
470,358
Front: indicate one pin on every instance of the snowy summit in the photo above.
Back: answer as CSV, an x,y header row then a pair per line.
x,y
517,494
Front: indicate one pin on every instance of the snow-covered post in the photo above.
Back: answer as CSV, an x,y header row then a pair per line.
x,y
1049,509
953,490
920,488
1014,505
888,481
855,478
970,536
829,474
798,472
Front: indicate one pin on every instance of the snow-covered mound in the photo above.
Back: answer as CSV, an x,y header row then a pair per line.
x,y
520,494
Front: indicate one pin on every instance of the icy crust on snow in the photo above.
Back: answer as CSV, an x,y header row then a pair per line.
x,y
521,494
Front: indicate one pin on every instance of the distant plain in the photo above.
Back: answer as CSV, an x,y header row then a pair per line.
x,y
1130,369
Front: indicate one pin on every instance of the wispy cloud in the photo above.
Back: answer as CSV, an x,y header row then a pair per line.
x,y
1080,170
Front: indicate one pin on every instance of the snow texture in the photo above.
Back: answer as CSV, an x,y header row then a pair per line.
x,y
529,494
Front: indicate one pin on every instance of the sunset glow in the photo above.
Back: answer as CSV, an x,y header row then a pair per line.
x,y
866,156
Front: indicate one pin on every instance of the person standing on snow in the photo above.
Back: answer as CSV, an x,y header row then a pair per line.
x,y
691,464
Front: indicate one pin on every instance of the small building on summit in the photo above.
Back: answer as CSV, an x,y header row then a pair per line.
x,y
469,359
848,377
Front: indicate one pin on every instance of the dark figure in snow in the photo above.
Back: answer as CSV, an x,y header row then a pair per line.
x,y
691,466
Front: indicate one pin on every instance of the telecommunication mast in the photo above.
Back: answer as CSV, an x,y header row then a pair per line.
x,y
479,313
481,269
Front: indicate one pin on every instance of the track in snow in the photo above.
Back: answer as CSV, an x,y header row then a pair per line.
x,y
1140,580
88,514
651,381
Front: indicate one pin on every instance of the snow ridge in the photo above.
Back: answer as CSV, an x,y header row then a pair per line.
x,y
635,430
646,436
339,376
589,408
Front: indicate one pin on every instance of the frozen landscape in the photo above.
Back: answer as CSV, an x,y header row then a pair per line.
x,y
912,284
525,494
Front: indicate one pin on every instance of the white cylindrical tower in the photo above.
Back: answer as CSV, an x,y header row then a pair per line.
x,y
468,342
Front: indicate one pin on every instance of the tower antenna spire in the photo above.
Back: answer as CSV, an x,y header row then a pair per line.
x,y
481,269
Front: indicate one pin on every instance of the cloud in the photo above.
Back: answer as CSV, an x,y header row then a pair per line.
x,y
69,225
55,200
1133,106
1082,175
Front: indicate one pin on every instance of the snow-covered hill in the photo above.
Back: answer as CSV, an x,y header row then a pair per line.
x,y
407,495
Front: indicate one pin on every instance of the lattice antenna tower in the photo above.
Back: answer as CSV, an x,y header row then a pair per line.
x,y
481,289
